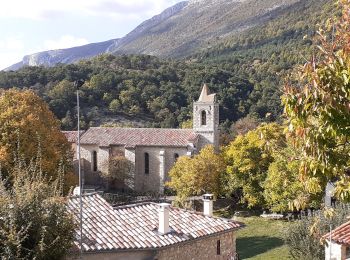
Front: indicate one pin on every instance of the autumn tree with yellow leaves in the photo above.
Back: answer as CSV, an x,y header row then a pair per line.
x,y
197,175
30,130
317,105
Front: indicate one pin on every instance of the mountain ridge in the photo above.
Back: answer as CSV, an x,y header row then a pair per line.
x,y
177,32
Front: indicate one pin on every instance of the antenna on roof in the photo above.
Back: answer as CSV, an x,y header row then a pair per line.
x,y
78,84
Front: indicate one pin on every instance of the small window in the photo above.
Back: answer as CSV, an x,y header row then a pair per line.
x,y
94,161
218,249
204,117
146,163
176,156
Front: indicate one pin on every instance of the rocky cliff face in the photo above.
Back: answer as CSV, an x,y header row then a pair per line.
x,y
70,55
178,31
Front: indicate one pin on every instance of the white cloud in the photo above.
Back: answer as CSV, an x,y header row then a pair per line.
x,y
66,41
11,51
11,43
46,9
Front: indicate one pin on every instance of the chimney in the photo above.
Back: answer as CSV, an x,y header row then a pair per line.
x,y
164,218
208,204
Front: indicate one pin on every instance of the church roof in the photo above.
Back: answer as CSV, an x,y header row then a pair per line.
x,y
205,95
72,136
132,137
134,227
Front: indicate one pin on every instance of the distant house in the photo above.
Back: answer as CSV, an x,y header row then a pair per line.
x,y
151,151
152,231
337,245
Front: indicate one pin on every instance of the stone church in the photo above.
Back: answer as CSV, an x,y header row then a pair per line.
x,y
151,151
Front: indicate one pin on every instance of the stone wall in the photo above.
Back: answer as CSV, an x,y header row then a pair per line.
x,y
91,177
202,249
209,132
152,181
131,255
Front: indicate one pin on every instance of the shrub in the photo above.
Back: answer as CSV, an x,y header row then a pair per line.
x,y
303,238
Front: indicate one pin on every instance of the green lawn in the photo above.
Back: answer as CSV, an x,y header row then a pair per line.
x,y
261,239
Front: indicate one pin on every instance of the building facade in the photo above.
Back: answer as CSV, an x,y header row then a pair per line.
x,y
151,151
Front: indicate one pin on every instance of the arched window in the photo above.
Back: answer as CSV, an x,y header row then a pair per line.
x,y
94,161
176,156
203,118
146,163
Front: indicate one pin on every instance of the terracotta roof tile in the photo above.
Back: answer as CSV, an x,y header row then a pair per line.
x,y
72,136
341,234
132,137
135,226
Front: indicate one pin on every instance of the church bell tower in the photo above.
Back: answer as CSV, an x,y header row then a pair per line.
x,y
206,118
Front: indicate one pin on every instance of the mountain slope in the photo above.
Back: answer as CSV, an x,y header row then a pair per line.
x,y
70,55
201,21
177,32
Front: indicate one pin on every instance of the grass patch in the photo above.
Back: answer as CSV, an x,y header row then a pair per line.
x,y
262,239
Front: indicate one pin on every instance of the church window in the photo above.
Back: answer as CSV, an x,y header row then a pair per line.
x,y
218,247
146,163
204,118
176,156
94,161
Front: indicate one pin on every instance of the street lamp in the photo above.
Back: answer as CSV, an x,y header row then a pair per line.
x,y
78,84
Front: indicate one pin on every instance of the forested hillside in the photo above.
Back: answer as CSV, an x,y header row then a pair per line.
x,y
267,54
247,71
156,91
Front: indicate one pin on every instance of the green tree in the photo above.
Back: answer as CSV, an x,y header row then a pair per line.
x,y
318,108
283,188
34,222
197,175
248,158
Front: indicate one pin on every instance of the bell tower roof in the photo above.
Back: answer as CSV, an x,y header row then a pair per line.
x,y
205,96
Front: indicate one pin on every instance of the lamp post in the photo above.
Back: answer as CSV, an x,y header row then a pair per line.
x,y
78,84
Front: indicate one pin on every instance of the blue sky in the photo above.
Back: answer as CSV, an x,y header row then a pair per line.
x,y
30,26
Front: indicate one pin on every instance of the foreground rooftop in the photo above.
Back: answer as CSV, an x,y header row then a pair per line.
x,y
135,227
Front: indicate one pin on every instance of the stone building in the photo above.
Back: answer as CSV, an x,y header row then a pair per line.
x,y
152,231
337,243
151,151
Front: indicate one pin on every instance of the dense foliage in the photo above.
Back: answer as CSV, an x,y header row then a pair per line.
x,y
318,108
259,168
132,88
304,237
27,123
197,175
34,222
248,158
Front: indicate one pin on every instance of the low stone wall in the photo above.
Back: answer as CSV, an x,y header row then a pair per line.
x,y
202,249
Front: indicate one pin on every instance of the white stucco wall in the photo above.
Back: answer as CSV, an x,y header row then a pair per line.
x,y
334,251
